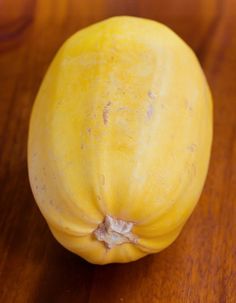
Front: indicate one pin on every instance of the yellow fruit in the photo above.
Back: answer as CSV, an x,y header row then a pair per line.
x,y
120,139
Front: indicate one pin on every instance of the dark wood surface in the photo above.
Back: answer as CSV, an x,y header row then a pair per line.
x,y
201,265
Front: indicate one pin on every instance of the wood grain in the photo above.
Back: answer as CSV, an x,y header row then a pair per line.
x,y
201,265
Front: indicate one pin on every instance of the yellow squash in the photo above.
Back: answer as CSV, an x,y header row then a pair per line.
x,y
120,138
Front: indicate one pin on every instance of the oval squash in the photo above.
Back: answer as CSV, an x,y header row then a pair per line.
x,y
119,141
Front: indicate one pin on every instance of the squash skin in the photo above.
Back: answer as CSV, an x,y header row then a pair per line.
x,y
121,126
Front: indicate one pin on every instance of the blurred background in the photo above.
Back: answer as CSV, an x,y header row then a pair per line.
x,y
200,266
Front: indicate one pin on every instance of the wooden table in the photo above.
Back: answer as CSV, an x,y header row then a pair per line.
x,y
201,265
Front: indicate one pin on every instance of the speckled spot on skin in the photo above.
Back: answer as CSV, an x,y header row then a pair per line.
x,y
151,95
106,111
150,111
82,146
89,130
59,102
188,105
122,108
162,106
192,147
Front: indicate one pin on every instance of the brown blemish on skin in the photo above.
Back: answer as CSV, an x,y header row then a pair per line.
x,y
106,111
150,111
192,147
162,106
151,95
188,105
89,130
122,108
82,146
